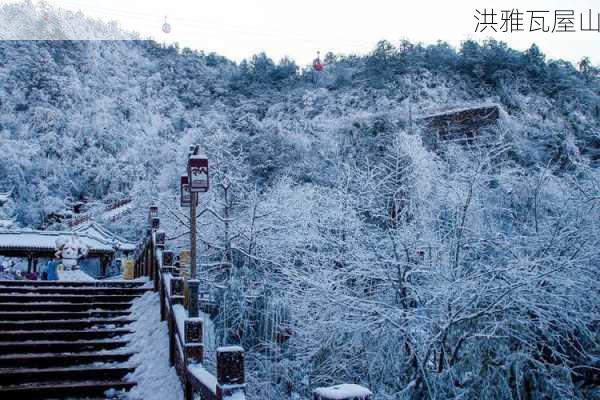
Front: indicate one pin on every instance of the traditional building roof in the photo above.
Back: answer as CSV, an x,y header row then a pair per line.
x,y
96,230
20,241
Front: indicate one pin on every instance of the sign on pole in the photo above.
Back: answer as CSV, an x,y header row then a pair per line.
x,y
185,195
152,213
198,174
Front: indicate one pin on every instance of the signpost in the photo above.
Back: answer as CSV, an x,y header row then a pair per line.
x,y
197,182
184,189
184,192
198,173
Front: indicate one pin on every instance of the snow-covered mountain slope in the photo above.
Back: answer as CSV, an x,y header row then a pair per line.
x,y
350,247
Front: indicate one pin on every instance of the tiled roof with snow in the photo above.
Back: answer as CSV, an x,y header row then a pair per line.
x,y
96,230
46,240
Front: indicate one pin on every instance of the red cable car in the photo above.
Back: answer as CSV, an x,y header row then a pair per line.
x,y
317,64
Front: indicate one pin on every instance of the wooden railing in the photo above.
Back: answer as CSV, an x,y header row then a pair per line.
x,y
186,347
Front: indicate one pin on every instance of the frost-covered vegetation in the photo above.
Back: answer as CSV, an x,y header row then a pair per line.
x,y
343,248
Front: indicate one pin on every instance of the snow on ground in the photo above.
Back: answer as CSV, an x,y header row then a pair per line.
x,y
156,380
148,284
344,391
74,276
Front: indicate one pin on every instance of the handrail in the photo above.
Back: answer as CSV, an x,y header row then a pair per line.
x,y
186,348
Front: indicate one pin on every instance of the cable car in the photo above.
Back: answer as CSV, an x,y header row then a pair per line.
x,y
166,28
317,64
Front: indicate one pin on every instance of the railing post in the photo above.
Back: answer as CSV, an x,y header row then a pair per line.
x,y
193,287
167,267
161,294
136,260
168,261
188,391
153,226
160,237
177,290
141,261
148,251
171,325
148,258
230,371
342,392
193,346
144,258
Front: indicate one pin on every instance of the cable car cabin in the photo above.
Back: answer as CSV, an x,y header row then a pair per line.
x,y
166,28
317,65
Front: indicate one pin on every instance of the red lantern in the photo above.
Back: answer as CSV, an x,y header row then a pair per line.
x,y
198,174
185,195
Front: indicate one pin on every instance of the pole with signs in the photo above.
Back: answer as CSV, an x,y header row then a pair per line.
x,y
197,182
193,283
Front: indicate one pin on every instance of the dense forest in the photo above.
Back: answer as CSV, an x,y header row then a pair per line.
x,y
343,247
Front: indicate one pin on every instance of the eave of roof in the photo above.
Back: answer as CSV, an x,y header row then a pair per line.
x,y
22,239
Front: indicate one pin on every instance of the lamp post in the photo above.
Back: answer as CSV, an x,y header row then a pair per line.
x,y
197,182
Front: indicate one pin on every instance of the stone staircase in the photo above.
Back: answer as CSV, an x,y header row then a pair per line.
x,y
65,340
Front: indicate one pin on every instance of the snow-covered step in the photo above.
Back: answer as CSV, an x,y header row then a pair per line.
x,y
65,298
46,346
63,341
57,390
54,315
81,291
62,335
63,324
50,360
26,375
106,283
63,306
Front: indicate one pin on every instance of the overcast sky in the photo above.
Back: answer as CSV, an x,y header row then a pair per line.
x,y
240,28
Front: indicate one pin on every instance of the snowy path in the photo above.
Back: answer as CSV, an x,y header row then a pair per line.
x,y
156,380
